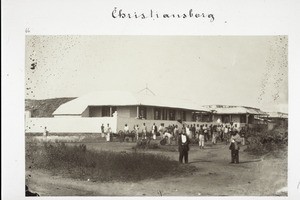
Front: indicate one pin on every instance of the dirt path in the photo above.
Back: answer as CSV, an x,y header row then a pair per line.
x,y
253,176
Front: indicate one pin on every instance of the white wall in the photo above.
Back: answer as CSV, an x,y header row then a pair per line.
x,y
69,124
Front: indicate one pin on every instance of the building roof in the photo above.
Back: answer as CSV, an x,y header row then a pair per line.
x,y
121,98
277,115
225,109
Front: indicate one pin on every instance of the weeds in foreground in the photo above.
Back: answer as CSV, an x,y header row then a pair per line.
x,y
81,163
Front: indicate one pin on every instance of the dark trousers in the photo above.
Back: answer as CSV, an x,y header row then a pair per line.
x,y
183,153
235,156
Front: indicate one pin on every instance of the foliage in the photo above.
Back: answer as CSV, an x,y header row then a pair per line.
x,y
264,141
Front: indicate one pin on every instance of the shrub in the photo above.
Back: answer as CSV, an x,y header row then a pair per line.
x,y
267,141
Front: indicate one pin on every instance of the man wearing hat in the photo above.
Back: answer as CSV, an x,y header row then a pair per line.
x,y
183,147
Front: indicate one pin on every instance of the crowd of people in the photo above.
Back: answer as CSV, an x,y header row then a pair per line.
x,y
228,133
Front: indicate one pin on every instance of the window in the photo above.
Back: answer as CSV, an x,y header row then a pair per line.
x,y
194,117
105,111
243,119
183,116
143,112
114,109
164,114
251,119
172,114
95,111
225,119
206,118
157,114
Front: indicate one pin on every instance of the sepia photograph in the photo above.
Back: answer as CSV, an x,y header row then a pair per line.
x,y
156,115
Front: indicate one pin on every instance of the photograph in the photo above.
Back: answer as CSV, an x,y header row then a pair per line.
x,y
156,115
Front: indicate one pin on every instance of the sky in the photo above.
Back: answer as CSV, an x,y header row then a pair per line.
x,y
227,70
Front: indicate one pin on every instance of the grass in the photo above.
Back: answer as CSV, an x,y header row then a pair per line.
x,y
80,163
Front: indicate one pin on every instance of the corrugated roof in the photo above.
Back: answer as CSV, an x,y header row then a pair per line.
x,y
120,98
218,109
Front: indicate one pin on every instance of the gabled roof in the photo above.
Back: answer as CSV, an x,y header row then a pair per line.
x,y
224,109
121,98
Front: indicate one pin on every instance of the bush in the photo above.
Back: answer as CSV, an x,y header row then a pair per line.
x,y
267,141
79,162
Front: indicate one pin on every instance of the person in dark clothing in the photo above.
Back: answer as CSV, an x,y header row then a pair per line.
x,y
235,141
183,147
193,130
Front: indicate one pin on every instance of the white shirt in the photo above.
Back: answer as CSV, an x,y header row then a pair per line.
x,y
226,130
108,129
183,138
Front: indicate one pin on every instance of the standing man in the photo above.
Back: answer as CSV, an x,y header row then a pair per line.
x,y
219,132
126,132
222,132
126,129
137,132
176,133
201,138
144,129
45,132
183,147
108,130
154,131
242,132
102,131
235,141
197,130
193,130
188,131
226,134
205,132
214,135
161,130
211,130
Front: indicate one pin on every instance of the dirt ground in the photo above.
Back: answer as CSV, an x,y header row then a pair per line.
x,y
254,176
